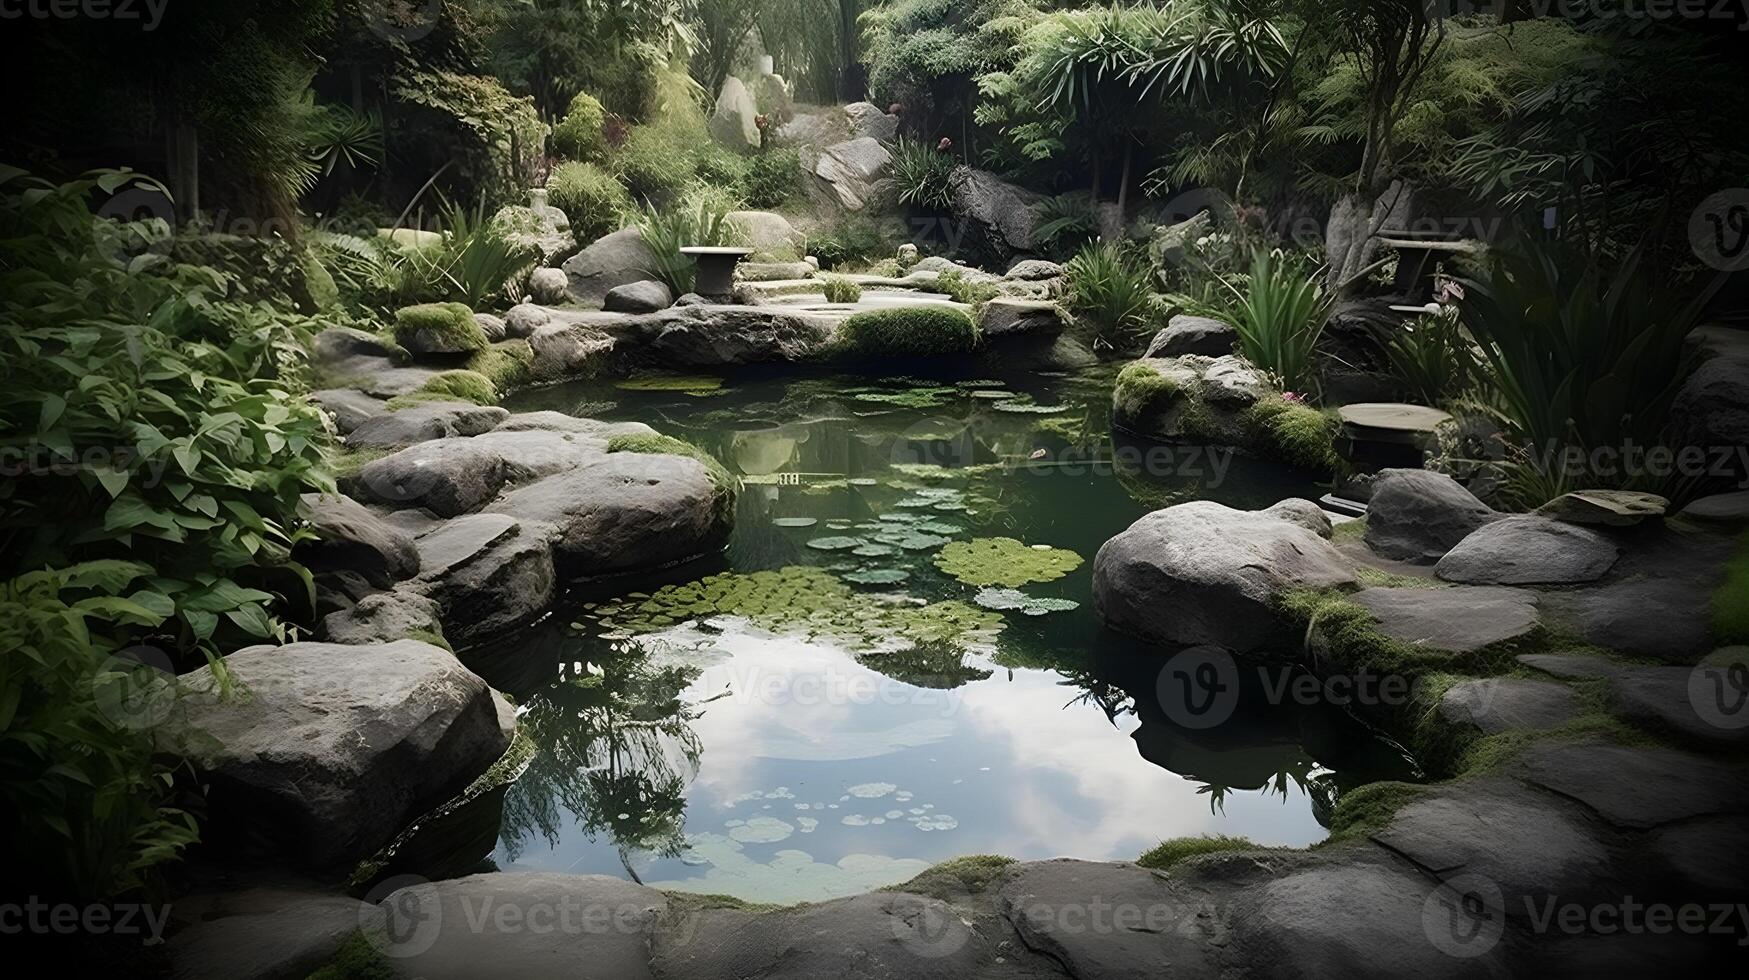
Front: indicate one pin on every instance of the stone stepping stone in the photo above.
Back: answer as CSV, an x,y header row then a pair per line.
x,y
1503,704
1636,786
1648,615
349,407
1684,701
1528,550
1606,508
423,423
1730,509
1708,855
1177,943
1526,843
1392,422
1451,620
267,932
1573,666
459,541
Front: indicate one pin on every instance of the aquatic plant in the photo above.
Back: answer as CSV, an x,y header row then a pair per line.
x,y
666,382
1013,600
1005,562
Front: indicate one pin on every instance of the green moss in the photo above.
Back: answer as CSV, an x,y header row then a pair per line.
x,y
1292,432
954,283
1731,601
682,904
1379,578
357,959
451,324
435,639
467,386
840,290
346,463
1169,852
1369,808
1140,388
504,364
962,875
1349,531
917,331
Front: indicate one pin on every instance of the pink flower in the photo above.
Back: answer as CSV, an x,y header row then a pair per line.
x,y
945,146
1295,397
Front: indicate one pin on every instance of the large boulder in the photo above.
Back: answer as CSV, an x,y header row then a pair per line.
x,y
628,511
1200,335
868,120
336,344
849,171
486,575
647,296
1527,550
615,260
1003,317
998,216
1194,399
384,617
349,538
524,319
1419,515
564,351
265,932
543,231
735,121
335,748
714,336
1202,573
445,476
423,423
766,232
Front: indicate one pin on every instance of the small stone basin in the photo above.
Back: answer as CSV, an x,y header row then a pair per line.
x,y
716,268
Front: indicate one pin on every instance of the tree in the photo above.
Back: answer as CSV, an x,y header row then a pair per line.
x,y
723,27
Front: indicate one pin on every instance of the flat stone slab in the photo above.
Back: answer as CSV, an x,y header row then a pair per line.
x,y
1525,842
349,407
423,423
1573,666
265,932
1701,704
1666,618
1055,907
591,927
1504,704
1710,854
1636,786
1527,550
1461,620
1606,508
1412,420
1726,508
459,541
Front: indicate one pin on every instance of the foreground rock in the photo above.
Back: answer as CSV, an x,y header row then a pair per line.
x,y
1529,551
1167,937
267,932
336,748
1201,573
351,538
421,423
488,574
1451,620
1419,515
619,259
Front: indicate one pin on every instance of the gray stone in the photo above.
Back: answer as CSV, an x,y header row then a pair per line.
x,y
735,122
716,336
502,586
776,100
351,538
618,259
423,423
1298,510
379,377
522,320
812,129
1492,705
871,122
881,934
492,326
1526,550
766,232
267,933
1572,666
1682,701
999,216
1636,786
1451,620
849,171
784,272
647,296
348,407
1728,509
1709,855
525,924
1419,515
1034,270
544,231
549,287
1605,508
1002,317
1200,335
335,748
462,540
1712,408
629,511
1356,920
447,477
1201,573
1530,847
337,344
565,351
1172,933
1661,617
1197,399
384,618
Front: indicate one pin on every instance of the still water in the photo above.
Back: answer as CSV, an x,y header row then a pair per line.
x,y
865,683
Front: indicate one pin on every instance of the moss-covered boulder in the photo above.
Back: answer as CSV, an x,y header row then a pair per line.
x,y
1221,401
917,331
438,328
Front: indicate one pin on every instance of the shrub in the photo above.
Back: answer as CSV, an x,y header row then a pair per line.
x,y
1280,316
658,161
774,179
922,177
840,290
1433,358
917,331
595,202
582,134
451,325
474,263
1067,222
1112,290
852,240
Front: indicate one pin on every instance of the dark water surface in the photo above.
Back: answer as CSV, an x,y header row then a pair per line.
x,y
804,734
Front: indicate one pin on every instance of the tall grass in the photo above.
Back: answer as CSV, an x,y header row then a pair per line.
x,y
700,223
1113,290
922,176
1280,315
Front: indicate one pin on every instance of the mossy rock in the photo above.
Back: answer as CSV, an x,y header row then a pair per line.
x,y
724,482
1293,433
1167,853
968,875
920,331
451,386
506,364
438,328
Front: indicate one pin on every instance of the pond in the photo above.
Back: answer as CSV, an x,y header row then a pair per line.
x,y
897,660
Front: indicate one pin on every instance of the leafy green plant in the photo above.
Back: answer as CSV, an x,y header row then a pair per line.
x,y
477,263
1065,223
1280,315
838,289
659,160
1112,290
582,134
595,202
913,331
922,177
703,224
774,179
850,241
1433,357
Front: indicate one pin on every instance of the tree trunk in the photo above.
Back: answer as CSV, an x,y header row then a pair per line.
x,y
1123,184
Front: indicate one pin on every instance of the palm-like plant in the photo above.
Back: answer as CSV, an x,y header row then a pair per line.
x,y
1280,315
1111,290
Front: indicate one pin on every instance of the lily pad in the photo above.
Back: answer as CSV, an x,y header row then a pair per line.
x,y
873,550
877,576
796,521
839,543
1005,562
1029,408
